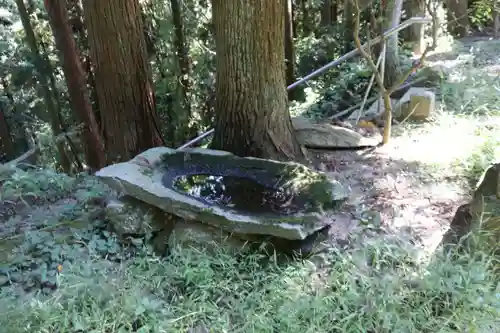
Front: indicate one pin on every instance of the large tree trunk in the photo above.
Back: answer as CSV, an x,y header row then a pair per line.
x,y
75,79
458,17
43,73
251,106
123,79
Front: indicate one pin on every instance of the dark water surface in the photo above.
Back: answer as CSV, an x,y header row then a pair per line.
x,y
238,193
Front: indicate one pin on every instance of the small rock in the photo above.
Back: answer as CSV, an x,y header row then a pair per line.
x,y
129,216
202,236
416,104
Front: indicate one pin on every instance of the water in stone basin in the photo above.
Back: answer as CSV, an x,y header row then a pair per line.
x,y
238,193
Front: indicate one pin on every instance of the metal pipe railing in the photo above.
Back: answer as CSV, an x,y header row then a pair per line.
x,y
347,56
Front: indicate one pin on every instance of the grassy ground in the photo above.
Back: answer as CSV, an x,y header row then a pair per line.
x,y
376,288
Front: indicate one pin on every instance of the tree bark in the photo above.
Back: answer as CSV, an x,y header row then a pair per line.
x,y
251,105
123,80
75,79
392,72
458,17
7,148
328,12
289,49
415,33
43,72
348,23
80,31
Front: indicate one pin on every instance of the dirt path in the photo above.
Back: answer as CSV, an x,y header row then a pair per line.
x,y
413,185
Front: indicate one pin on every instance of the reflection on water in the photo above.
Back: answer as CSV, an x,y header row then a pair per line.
x,y
238,193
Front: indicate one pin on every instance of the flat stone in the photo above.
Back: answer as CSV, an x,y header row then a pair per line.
x,y
328,135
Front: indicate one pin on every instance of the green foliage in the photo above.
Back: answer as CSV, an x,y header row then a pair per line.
x,y
37,183
481,12
221,292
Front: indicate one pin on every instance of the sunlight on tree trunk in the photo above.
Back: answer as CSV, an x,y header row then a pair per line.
x,y
122,77
415,33
392,70
251,106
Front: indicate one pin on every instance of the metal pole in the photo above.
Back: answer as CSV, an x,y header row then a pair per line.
x,y
336,62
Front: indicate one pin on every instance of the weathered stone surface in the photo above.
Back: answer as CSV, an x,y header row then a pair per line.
x,y
310,133
416,104
481,213
130,216
203,236
144,178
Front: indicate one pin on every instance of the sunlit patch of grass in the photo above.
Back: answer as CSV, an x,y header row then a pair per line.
x,y
366,290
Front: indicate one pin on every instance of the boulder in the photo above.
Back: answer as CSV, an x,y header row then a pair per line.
x,y
198,235
482,213
309,199
328,135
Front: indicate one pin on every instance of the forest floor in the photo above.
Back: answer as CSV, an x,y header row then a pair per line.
x,y
91,282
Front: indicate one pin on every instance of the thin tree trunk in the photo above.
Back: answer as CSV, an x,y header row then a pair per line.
x,y
392,71
415,33
43,73
348,26
328,13
75,79
289,49
496,19
251,105
183,116
7,148
78,27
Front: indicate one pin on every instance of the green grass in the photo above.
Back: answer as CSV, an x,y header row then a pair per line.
x,y
227,294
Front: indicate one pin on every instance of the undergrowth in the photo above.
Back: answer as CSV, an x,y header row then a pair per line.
x,y
224,293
